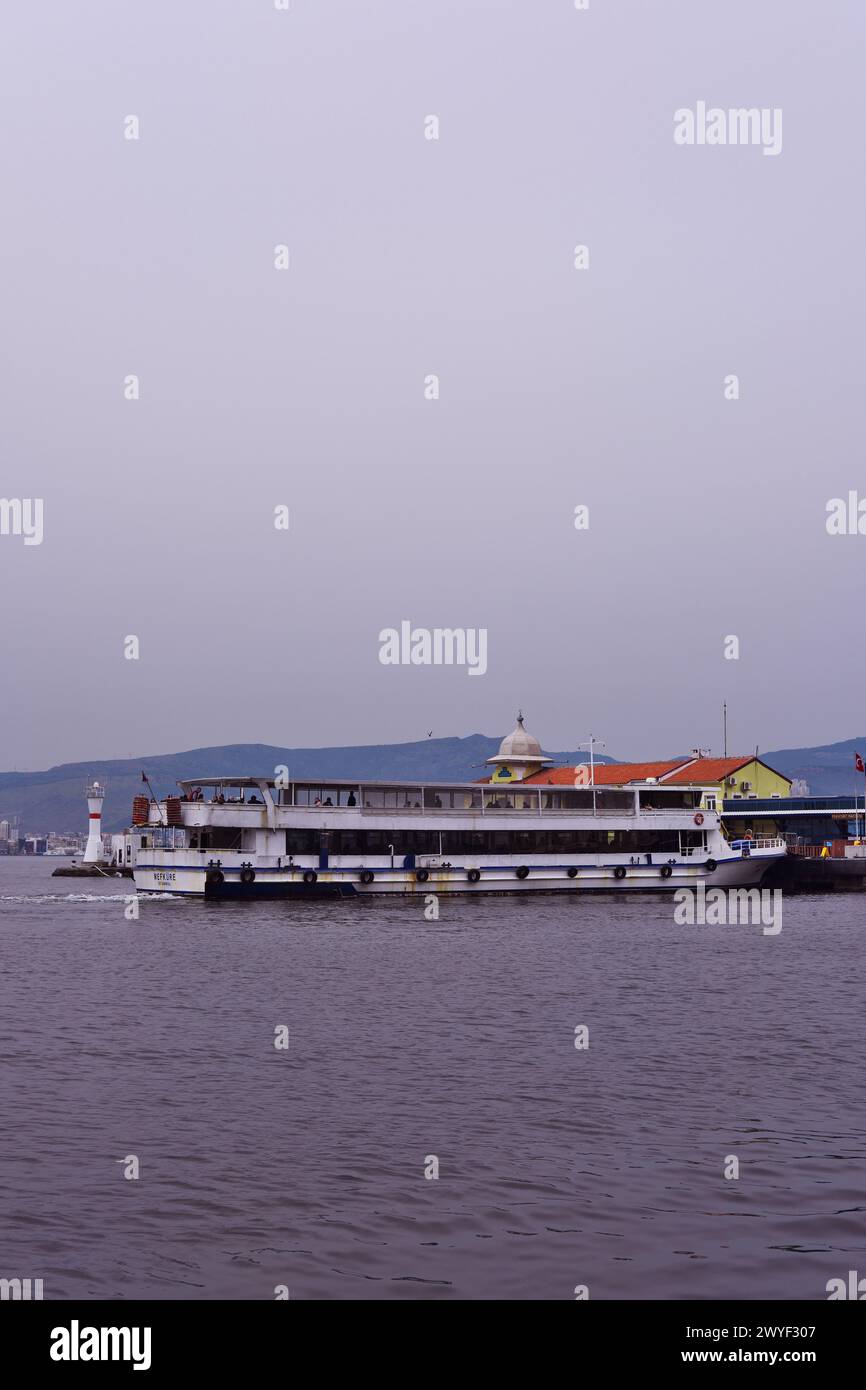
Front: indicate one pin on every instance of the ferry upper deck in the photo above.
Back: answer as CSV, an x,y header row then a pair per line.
x,y
224,798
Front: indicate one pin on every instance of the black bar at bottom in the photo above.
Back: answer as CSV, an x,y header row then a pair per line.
x,y
221,1338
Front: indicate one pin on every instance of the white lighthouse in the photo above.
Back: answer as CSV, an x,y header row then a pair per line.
x,y
95,796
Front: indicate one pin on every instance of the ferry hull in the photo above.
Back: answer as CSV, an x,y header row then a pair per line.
x,y
189,880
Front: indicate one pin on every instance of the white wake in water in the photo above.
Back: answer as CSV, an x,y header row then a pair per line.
x,y
84,897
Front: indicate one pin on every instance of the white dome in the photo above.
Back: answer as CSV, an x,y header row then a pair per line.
x,y
520,744
519,747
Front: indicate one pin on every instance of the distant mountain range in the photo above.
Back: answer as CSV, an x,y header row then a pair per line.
x,y
54,800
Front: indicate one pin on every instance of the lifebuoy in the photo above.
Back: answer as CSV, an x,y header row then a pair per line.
x,y
522,872
474,875
711,866
619,871
311,876
422,875
367,876
665,870
699,818
572,872
248,875
215,876
748,835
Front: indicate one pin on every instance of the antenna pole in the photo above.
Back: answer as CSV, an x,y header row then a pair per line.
x,y
146,780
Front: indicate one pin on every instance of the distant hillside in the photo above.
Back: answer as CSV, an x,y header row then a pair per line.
x,y
54,800
828,768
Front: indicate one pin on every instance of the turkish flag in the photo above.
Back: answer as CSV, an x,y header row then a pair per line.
x,y
859,765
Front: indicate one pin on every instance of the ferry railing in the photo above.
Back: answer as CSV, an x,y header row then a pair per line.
x,y
686,812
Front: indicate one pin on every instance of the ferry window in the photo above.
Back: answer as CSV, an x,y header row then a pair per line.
x,y
420,842
345,842
409,799
460,799
613,800
302,841
307,796
223,837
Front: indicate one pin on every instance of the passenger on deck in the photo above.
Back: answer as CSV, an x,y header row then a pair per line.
x,y
350,800
328,801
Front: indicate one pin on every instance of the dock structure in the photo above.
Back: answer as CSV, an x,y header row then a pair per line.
x,y
824,834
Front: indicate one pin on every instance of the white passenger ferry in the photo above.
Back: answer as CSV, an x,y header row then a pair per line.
x,y
276,837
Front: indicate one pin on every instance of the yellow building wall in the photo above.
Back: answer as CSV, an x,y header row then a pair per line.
x,y
765,782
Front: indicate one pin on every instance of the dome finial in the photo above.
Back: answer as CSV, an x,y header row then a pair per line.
x,y
520,717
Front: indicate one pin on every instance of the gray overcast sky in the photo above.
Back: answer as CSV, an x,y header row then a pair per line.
x,y
411,256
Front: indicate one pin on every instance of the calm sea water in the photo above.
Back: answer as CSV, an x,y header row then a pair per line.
x,y
410,1038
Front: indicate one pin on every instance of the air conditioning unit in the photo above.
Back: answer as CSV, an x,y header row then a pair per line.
x,y
747,786
730,781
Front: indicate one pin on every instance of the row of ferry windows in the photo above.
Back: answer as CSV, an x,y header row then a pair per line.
x,y
442,799
402,842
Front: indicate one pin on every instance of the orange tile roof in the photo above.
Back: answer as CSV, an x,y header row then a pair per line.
x,y
606,774
716,769
675,771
